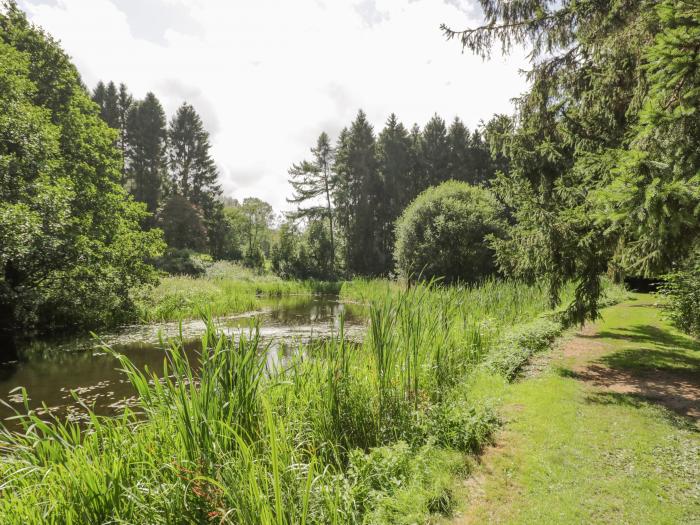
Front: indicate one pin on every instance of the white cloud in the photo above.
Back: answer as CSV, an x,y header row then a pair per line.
x,y
268,76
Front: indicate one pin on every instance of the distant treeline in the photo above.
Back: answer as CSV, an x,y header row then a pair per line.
x,y
360,185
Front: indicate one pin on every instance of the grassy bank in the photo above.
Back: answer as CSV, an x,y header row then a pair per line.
x,y
591,440
342,433
225,289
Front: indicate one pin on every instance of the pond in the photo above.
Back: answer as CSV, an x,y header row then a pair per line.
x,y
53,371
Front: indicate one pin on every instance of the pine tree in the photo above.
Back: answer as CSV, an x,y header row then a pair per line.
x,y
109,110
358,196
482,165
418,174
460,161
394,158
98,94
312,180
145,140
124,102
192,172
435,151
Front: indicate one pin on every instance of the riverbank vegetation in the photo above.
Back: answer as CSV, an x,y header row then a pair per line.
x,y
224,289
338,433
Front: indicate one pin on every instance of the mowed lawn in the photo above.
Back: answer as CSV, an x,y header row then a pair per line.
x,y
605,430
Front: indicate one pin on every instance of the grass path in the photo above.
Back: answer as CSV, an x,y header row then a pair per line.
x,y
604,431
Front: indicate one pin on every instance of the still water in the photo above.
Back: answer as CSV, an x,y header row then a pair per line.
x,y
52,372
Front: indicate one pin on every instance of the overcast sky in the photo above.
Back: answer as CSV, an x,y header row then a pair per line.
x,y
267,76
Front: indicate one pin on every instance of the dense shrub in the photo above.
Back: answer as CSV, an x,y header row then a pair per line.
x,y
182,262
682,291
443,233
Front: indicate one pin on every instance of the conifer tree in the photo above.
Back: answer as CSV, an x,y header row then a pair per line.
x,y
313,180
460,161
109,110
124,102
145,141
435,151
395,163
418,177
192,172
358,196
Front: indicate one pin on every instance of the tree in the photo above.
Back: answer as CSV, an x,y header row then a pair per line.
x,y
71,249
145,141
192,172
258,216
444,232
109,106
124,102
312,180
601,163
460,164
435,151
395,164
182,224
358,196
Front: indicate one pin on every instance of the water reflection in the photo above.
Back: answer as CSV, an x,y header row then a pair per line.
x,y
50,370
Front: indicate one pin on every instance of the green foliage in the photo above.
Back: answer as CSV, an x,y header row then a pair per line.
x,y
144,149
517,346
443,233
181,262
182,224
602,155
303,255
71,249
360,433
681,288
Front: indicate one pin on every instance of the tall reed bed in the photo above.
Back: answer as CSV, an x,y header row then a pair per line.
x,y
340,432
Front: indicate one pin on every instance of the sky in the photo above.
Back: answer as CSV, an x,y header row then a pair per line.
x,y
268,76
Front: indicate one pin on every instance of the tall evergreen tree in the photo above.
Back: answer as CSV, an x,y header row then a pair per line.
x,y
313,180
460,163
435,151
395,163
482,164
192,172
109,110
358,196
98,95
124,102
145,140
418,174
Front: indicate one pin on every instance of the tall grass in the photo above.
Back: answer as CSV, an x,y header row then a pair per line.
x,y
340,432
221,293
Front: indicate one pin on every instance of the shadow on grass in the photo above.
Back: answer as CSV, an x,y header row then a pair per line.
x,y
648,334
640,402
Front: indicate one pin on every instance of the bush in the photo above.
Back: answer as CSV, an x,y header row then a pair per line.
x,y
182,262
443,233
682,291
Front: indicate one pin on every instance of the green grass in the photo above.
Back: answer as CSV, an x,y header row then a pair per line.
x,y
574,453
340,433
